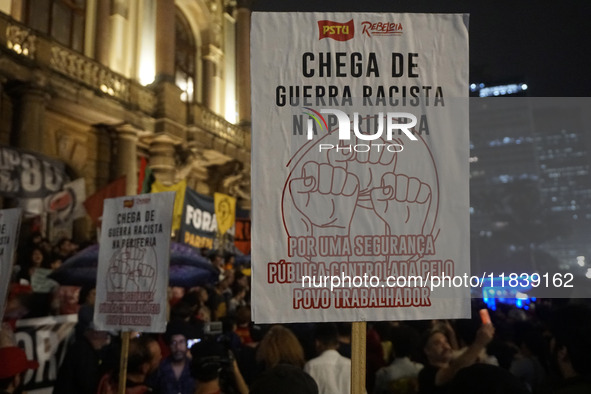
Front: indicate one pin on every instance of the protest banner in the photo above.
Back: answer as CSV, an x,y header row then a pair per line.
x,y
10,220
64,207
29,175
360,166
225,211
199,225
132,276
94,203
45,340
180,189
242,238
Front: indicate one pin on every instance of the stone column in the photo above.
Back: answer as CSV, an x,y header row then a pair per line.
x,y
165,40
103,160
212,78
6,115
102,32
171,112
162,157
28,132
119,40
126,157
243,61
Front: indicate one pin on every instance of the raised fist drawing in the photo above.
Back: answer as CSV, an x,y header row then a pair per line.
x,y
128,271
403,203
325,195
368,166
142,277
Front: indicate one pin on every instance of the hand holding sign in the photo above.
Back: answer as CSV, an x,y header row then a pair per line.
x,y
320,190
402,203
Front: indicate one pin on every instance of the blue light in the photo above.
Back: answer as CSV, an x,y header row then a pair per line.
x,y
500,90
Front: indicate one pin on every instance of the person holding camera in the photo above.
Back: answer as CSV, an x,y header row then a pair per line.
x,y
215,369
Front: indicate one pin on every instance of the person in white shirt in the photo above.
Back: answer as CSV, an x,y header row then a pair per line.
x,y
330,370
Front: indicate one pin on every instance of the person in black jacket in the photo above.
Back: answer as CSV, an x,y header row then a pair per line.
x,y
80,372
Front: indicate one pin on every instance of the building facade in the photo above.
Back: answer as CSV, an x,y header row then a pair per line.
x,y
529,177
100,84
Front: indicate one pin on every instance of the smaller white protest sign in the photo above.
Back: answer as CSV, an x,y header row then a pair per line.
x,y
132,276
41,283
10,220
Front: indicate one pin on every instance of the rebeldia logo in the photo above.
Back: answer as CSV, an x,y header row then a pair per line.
x,y
381,28
336,30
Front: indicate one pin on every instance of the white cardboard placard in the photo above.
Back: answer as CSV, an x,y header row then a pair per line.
x,y
390,205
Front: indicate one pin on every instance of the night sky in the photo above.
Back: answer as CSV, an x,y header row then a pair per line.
x,y
545,44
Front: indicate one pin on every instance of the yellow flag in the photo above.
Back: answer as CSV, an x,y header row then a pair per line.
x,y
179,201
225,211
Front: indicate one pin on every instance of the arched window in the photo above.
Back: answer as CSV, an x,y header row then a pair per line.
x,y
184,58
63,20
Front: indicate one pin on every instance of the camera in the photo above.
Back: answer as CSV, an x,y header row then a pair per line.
x,y
212,357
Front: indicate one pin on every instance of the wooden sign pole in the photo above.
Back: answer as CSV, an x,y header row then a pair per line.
x,y
358,348
125,335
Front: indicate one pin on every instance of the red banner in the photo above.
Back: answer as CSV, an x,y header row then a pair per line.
x,y
94,203
242,237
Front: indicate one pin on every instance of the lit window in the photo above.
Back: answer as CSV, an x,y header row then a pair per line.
x,y
184,58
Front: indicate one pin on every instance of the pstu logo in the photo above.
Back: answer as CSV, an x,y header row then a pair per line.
x,y
381,28
336,30
393,122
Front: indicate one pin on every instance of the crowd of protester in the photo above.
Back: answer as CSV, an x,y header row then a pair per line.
x,y
31,293
212,346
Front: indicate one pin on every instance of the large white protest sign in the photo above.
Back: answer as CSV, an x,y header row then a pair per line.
x,y
132,276
360,166
10,220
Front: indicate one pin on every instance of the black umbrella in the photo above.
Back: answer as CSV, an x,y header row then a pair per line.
x,y
187,268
